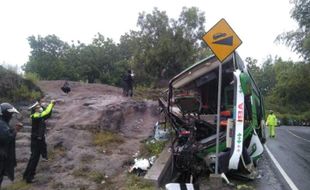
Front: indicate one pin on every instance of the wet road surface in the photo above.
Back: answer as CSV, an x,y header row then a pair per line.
x,y
291,148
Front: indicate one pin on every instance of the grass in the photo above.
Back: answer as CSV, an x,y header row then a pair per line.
x,y
141,93
105,138
152,148
134,182
97,177
19,185
81,172
85,172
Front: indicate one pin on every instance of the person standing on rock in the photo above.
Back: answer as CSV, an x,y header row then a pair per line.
x,y
128,80
32,108
7,142
38,145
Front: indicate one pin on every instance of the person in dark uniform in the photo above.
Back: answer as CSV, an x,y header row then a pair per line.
x,y
38,145
7,142
128,82
32,108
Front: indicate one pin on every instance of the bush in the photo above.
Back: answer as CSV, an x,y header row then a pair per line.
x,y
23,93
33,77
14,88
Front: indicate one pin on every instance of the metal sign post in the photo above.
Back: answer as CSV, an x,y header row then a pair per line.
x,y
222,41
218,118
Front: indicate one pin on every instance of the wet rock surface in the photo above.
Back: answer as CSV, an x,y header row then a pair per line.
x,y
74,161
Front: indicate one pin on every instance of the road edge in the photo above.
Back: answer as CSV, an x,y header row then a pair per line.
x,y
280,169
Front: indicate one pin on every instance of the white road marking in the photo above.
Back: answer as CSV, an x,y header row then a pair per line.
x,y
298,136
285,176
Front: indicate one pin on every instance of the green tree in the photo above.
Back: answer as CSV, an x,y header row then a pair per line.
x,y
45,55
107,56
292,88
289,85
87,64
71,63
253,68
299,39
265,76
158,50
163,46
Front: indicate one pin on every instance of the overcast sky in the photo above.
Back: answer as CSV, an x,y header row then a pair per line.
x,y
256,22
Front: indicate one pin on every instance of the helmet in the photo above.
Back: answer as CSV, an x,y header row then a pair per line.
x,y
271,112
6,111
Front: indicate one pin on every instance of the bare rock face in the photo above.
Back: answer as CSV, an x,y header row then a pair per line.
x,y
114,116
75,161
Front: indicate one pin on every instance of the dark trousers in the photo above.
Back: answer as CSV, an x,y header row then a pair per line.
x,y
129,92
127,89
44,149
1,178
37,148
1,170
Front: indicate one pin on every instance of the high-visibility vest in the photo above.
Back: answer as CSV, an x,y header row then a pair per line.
x,y
271,120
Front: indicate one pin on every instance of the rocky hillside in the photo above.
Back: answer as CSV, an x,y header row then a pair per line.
x,y
92,136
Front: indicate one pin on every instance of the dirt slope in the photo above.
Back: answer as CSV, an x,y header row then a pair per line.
x,y
75,163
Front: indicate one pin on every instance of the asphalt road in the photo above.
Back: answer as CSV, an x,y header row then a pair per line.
x,y
291,148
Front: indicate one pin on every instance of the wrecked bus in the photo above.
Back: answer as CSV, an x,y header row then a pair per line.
x,y
190,106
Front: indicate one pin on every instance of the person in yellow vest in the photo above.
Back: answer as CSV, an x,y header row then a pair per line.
x,y
272,123
38,144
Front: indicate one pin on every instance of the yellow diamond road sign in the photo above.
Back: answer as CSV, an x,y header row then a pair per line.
x,y
222,40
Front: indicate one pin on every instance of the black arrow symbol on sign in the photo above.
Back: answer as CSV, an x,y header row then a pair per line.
x,y
225,41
